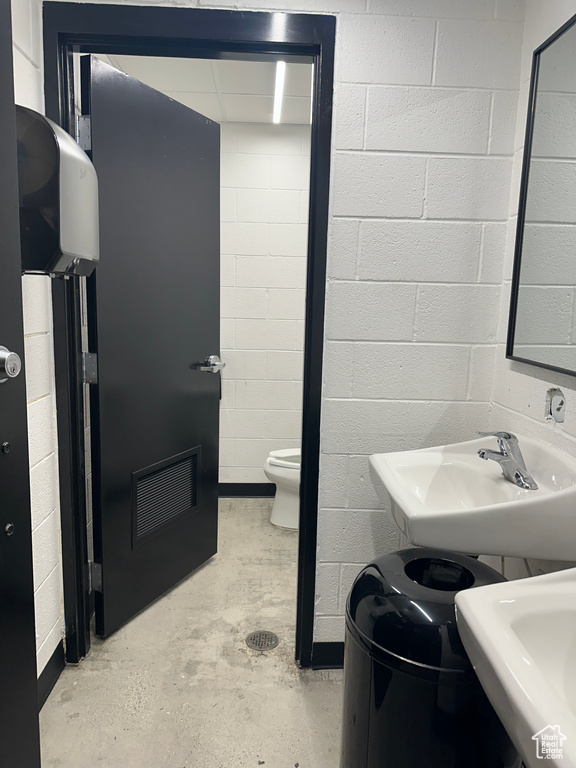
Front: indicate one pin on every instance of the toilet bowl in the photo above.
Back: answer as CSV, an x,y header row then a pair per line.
x,y
283,468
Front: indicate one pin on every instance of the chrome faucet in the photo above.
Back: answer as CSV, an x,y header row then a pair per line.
x,y
510,459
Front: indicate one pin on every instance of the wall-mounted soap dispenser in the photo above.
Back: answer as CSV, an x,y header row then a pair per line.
x,y
58,199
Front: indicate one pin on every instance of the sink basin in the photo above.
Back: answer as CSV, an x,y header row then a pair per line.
x,y
521,639
448,497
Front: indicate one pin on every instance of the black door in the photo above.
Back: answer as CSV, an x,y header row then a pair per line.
x,y
19,742
156,310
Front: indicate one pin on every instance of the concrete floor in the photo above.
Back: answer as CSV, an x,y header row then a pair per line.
x,y
178,687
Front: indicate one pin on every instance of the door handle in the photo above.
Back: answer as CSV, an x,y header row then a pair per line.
x,y
10,365
212,364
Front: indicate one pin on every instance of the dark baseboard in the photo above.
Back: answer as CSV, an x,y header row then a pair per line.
x,y
327,655
50,674
246,490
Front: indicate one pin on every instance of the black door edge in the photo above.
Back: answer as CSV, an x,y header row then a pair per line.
x,y
19,733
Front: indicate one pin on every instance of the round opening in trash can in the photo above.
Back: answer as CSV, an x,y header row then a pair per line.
x,y
437,573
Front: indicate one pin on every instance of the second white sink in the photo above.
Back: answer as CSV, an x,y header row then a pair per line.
x,y
448,497
521,638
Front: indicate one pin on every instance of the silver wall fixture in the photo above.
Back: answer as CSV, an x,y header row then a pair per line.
x,y
555,405
58,199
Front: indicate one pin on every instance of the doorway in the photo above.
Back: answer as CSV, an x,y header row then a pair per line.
x,y
148,31
264,187
156,289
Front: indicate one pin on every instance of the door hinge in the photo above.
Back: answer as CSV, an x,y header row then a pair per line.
x,y
83,131
89,368
95,576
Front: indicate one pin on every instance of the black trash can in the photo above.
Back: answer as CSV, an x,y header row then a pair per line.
x,y
411,696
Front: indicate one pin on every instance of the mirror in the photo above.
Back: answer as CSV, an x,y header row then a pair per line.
x,y
542,326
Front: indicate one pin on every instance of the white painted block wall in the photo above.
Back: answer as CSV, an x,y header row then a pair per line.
x,y
265,172
425,115
39,366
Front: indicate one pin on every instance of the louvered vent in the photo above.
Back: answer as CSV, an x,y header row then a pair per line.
x,y
164,494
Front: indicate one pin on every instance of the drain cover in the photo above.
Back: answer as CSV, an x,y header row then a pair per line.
x,y
262,640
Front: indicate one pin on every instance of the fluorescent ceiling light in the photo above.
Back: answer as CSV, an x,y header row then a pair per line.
x,y
279,90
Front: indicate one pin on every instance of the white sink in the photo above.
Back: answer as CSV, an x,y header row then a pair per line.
x,y
448,497
521,638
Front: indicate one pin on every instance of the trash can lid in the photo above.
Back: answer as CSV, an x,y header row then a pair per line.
x,y
402,605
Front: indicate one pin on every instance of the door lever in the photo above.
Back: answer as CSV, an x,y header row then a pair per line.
x,y
212,364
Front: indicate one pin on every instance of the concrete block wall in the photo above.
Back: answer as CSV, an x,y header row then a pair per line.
x,y
39,366
519,390
265,171
425,117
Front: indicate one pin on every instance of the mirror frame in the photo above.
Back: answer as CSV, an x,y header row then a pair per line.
x,y
522,204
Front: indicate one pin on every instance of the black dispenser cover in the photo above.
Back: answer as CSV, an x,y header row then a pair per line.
x,y
58,199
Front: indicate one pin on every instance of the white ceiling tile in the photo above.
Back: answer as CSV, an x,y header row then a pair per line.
x,y
246,87
205,103
252,77
167,74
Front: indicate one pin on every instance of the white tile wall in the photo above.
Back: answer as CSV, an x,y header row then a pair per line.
x,y
39,367
269,333
431,119
284,366
419,251
371,311
457,313
372,49
391,371
481,54
373,184
291,239
266,272
44,489
546,175
268,205
468,188
452,9
265,174
502,126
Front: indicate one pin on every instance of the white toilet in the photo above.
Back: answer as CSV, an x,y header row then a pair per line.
x,y
283,468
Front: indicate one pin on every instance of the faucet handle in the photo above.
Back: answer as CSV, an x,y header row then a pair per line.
x,y
499,435
507,442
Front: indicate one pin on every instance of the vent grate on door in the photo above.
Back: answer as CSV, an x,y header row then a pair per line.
x,y
164,492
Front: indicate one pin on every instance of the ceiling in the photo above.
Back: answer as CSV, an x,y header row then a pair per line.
x,y
223,90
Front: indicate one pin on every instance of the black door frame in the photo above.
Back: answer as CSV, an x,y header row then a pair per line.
x,y
198,33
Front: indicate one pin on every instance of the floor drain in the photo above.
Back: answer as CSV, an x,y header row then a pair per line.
x,y
262,640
